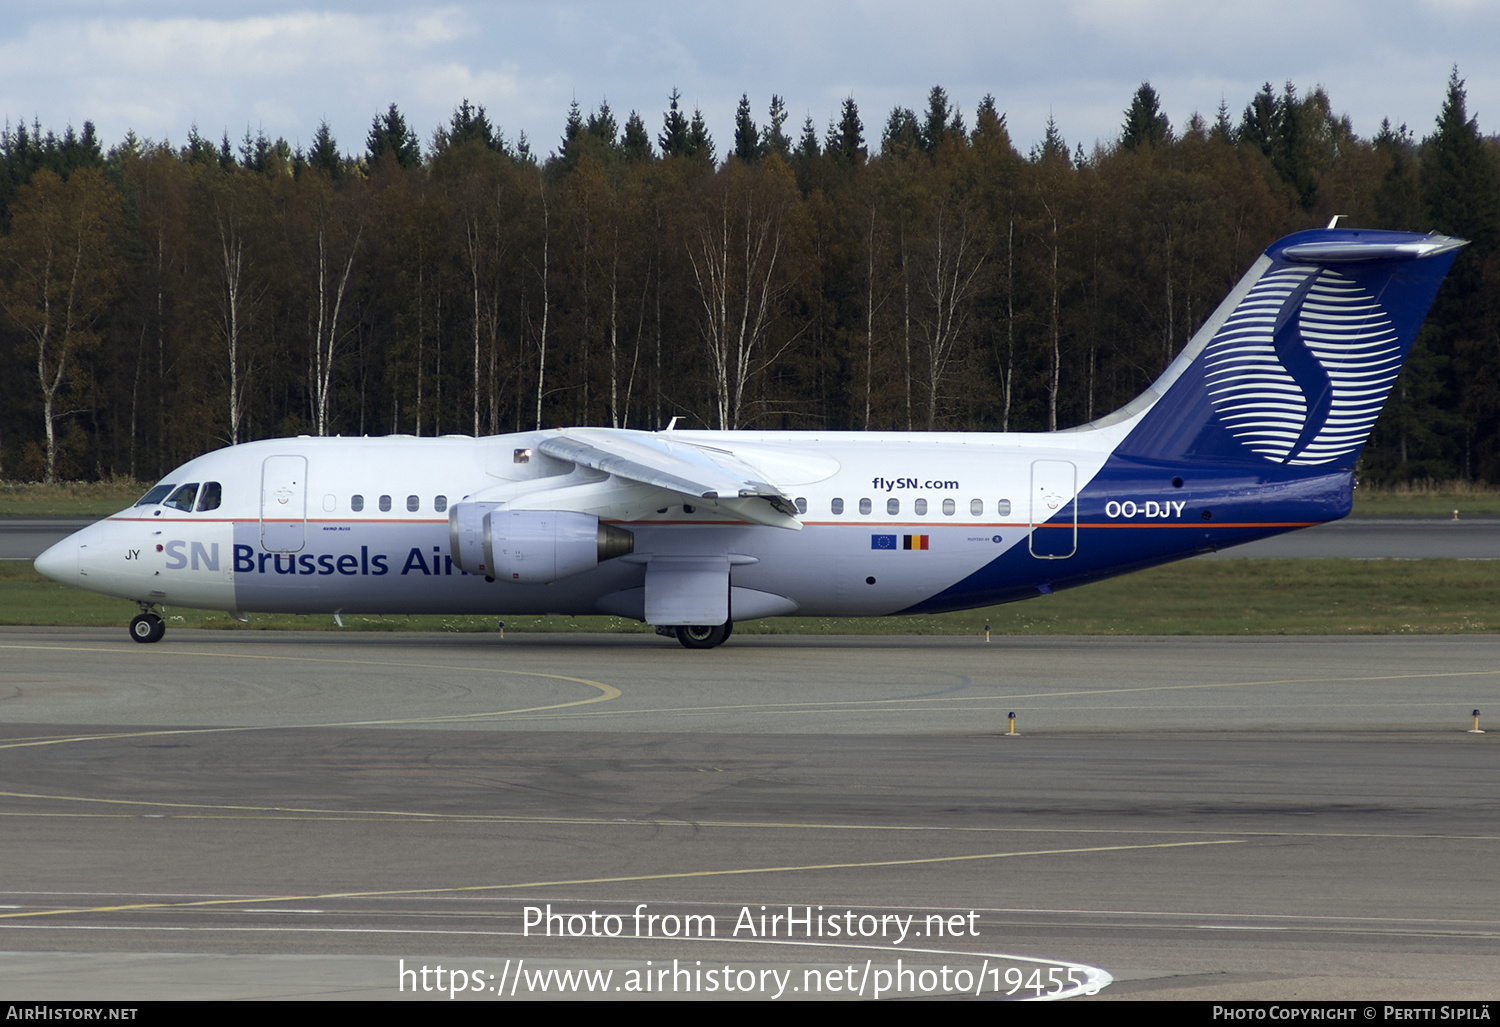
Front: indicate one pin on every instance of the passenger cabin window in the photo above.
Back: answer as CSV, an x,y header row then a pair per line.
x,y
837,506
413,503
440,503
155,496
865,506
949,508
211,496
920,506
976,507
385,504
183,498
801,505
356,503
893,506
1003,508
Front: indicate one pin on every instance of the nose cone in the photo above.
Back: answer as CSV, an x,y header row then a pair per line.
x,y
60,563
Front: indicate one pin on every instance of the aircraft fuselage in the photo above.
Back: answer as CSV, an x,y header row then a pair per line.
x,y
890,523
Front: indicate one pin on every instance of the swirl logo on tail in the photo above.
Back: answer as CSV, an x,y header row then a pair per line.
x,y
1300,370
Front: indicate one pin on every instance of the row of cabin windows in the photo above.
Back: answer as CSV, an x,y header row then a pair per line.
x,y
918,507
210,494
413,504
186,498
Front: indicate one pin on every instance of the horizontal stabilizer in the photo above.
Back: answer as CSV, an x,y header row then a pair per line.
x,y
1359,251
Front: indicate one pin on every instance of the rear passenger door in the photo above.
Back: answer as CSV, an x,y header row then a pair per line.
x,y
1054,509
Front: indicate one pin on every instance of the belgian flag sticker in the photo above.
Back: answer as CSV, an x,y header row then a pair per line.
x,y
914,542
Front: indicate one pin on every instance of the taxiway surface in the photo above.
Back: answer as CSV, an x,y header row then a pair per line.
x,y
235,814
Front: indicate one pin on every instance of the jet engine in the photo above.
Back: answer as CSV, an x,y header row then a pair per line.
x,y
531,546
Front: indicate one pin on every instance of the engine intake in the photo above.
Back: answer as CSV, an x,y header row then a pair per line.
x,y
531,546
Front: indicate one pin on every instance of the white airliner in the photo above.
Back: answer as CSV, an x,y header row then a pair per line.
x,y
1253,430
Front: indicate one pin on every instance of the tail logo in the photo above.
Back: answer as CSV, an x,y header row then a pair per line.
x,y
1300,370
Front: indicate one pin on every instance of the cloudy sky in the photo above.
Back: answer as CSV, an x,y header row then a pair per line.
x,y
161,66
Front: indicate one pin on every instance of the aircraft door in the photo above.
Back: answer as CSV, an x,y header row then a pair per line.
x,y
1054,493
283,504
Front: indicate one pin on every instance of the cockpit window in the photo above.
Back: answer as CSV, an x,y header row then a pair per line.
x,y
211,496
155,496
183,498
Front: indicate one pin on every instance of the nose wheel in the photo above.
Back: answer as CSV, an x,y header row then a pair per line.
x,y
704,636
147,627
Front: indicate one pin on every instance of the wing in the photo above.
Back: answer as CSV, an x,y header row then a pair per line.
x,y
710,477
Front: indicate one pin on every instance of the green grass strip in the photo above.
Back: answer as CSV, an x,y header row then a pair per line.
x,y
1197,597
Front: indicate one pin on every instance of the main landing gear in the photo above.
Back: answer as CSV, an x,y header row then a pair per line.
x,y
704,636
147,626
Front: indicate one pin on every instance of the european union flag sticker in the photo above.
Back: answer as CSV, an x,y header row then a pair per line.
x,y
882,541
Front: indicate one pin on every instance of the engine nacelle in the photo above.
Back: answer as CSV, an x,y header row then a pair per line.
x,y
531,546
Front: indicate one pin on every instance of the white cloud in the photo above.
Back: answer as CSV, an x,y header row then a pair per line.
x,y
283,70
158,66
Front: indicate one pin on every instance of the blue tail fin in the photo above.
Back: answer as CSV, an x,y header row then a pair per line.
x,y
1293,368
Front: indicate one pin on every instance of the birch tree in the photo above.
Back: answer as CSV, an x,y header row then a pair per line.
x,y
334,233
59,271
954,250
737,250
233,212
